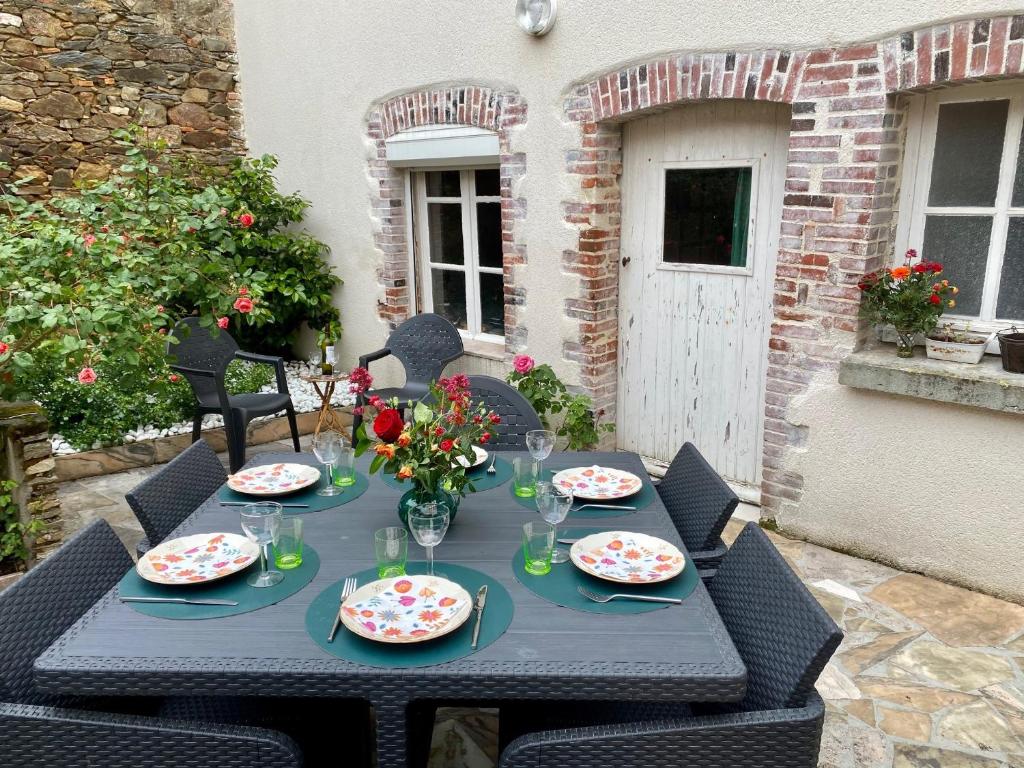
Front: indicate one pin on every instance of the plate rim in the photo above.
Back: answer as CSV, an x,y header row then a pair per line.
x,y
480,458
261,494
586,497
356,628
247,542
579,546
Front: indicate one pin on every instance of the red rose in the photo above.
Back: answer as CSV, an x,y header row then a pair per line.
x,y
495,418
447,445
3,348
243,305
935,267
485,437
174,377
246,220
86,376
438,431
223,323
388,425
934,299
919,268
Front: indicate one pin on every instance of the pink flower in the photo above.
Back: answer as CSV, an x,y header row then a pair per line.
x,y
376,401
911,254
89,239
357,411
223,211
246,220
160,308
4,347
523,363
222,323
359,380
243,305
86,376
174,377
243,291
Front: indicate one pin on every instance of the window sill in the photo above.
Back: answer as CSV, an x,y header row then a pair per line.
x,y
489,350
985,385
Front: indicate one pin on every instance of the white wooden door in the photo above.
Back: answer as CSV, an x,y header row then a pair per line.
x,y
694,336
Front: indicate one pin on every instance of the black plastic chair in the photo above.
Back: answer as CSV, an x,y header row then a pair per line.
x,y
700,504
424,345
163,500
42,731
203,358
517,415
785,639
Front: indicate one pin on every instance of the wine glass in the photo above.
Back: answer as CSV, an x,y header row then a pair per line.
x,y
540,442
261,522
553,503
428,524
327,448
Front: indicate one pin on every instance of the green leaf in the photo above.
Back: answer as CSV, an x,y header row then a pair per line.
x,y
422,413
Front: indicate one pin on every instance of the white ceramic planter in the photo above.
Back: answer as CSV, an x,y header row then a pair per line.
x,y
957,351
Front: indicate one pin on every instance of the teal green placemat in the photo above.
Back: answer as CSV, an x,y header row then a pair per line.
x,y
641,499
230,588
560,586
350,647
306,496
481,480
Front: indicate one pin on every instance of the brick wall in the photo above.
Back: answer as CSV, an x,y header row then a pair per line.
x,y
495,110
72,73
839,205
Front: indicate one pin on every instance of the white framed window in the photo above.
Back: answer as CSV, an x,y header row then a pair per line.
x,y
458,249
962,197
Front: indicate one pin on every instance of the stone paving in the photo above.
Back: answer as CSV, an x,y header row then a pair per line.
x,y
928,676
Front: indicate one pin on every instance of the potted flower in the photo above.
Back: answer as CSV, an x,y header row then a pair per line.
x,y
909,297
426,449
958,346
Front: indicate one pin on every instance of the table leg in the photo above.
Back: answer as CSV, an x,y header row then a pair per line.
x,y
325,404
393,749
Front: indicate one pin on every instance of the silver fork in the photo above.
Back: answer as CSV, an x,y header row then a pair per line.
x,y
603,506
346,591
490,469
646,598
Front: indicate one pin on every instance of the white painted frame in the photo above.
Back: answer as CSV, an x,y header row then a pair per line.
x,y
922,129
471,251
748,162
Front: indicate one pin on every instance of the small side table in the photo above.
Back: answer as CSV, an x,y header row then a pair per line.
x,y
324,386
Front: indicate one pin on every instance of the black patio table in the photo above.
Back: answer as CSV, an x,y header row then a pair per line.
x,y
678,653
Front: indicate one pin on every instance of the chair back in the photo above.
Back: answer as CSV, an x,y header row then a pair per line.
x,y
168,496
698,500
517,415
46,601
199,348
425,344
783,635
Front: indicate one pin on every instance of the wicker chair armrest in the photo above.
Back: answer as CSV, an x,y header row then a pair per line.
x,y
274,360
783,738
194,371
365,360
34,737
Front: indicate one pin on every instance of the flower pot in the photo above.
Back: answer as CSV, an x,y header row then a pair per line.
x,y
1011,348
970,350
417,495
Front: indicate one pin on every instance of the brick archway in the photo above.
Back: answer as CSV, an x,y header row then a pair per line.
x,y
846,142
494,109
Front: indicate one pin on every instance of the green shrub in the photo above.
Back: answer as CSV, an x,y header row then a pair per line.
x,y
13,551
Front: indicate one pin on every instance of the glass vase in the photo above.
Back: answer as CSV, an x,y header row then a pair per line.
x,y
418,495
904,343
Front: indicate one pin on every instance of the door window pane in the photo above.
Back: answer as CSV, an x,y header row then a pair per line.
x,y
488,182
444,223
449,288
960,244
492,304
488,231
968,148
1011,285
707,212
443,184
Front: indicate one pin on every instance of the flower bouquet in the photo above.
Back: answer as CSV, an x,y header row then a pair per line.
x,y
426,450
909,297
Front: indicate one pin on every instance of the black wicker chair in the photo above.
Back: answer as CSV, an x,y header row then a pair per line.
x,y
203,358
42,731
785,639
424,345
167,497
700,504
517,415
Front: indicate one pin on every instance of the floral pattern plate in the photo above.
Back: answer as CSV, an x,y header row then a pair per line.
x,y
629,558
598,483
480,458
197,559
406,609
274,479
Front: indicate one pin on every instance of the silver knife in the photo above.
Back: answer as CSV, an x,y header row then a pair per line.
x,y
187,601
481,601
247,503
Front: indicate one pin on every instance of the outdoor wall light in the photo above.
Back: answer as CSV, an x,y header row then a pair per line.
x,y
536,17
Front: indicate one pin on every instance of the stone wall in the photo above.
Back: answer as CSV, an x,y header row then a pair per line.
x,y
25,457
71,73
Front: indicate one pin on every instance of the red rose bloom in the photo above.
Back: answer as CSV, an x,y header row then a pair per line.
x,y
3,348
222,323
495,418
447,445
934,299
438,431
935,267
919,268
243,305
388,425
246,220
174,377
485,437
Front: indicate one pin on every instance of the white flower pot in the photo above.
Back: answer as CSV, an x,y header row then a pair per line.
x,y
957,351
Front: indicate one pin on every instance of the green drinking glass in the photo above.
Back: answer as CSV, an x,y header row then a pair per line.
x,y
391,546
288,547
538,544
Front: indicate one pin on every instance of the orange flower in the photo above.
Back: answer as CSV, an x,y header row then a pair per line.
x,y
900,272
385,449
405,472
404,439
429,616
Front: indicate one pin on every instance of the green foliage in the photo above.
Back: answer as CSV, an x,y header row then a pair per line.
x,y
550,397
12,530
